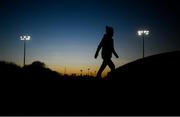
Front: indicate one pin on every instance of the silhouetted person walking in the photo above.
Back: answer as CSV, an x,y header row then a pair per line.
x,y
107,45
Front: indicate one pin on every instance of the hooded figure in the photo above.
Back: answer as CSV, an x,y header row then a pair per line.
x,y
107,45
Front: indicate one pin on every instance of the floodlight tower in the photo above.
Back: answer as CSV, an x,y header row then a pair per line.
x,y
25,38
88,71
143,33
81,72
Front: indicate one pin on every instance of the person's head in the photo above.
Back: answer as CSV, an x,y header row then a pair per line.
x,y
109,30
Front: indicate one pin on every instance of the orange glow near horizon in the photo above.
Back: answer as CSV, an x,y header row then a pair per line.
x,y
76,69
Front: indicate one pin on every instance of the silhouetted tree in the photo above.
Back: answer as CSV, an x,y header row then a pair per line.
x,y
38,64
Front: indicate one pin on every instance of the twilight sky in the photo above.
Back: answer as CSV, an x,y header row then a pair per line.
x,y
66,33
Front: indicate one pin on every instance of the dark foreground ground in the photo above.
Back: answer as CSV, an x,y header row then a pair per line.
x,y
144,87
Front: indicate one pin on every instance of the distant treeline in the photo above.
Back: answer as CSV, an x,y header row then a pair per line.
x,y
35,71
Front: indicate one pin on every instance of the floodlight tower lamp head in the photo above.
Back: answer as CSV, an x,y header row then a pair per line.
x,y
140,32
146,32
28,37
143,32
22,38
25,38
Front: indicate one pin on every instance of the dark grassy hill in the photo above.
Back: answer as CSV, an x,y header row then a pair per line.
x,y
148,86
144,87
162,67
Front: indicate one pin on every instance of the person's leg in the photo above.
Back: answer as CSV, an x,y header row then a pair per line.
x,y
111,65
103,66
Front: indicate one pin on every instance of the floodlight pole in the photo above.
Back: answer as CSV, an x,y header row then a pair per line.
x,y
143,46
24,52
88,71
81,72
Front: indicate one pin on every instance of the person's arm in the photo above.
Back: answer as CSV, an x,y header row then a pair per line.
x,y
114,52
98,49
